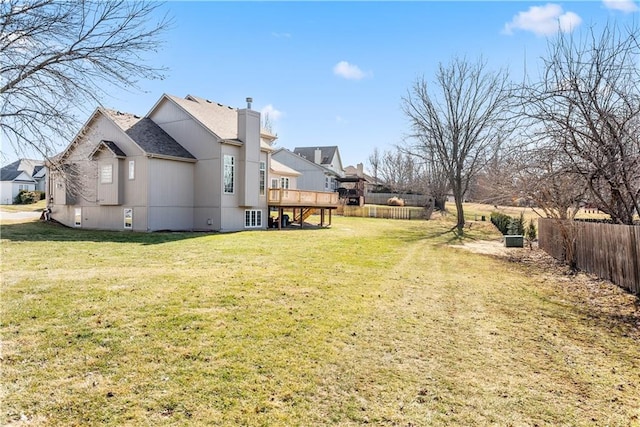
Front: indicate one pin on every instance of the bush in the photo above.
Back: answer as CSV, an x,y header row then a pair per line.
x,y
395,201
530,233
41,194
501,221
26,197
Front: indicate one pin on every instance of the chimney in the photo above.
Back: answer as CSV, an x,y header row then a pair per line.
x,y
360,168
248,168
317,156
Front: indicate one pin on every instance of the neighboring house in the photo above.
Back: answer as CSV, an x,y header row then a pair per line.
x,y
313,175
281,176
370,182
329,157
23,174
189,164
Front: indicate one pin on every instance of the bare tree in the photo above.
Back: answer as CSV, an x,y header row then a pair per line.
x,y
374,162
400,171
588,103
462,122
434,177
62,56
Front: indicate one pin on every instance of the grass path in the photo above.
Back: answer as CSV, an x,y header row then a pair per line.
x,y
370,322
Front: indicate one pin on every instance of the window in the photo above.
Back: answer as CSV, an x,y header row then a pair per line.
x,y
252,218
284,183
78,217
229,174
128,218
274,182
24,187
326,182
263,177
106,174
132,169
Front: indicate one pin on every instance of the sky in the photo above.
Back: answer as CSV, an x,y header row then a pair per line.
x,y
335,73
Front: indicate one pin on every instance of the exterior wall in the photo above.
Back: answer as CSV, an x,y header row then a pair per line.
x,y
6,192
182,127
207,172
171,195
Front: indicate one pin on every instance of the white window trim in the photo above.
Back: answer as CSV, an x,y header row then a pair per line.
x,y
224,173
253,218
106,174
262,179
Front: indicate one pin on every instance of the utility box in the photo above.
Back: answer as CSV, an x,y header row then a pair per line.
x,y
514,241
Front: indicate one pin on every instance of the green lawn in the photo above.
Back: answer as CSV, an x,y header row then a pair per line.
x,y
372,321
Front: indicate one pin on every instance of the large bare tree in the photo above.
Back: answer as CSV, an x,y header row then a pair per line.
x,y
462,120
60,57
588,102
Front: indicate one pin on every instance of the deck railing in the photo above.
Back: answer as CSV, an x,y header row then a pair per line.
x,y
286,197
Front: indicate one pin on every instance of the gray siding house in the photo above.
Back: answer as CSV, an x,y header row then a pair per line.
x,y
314,174
189,164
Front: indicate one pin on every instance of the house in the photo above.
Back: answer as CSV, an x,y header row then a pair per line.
x,y
189,164
23,174
314,175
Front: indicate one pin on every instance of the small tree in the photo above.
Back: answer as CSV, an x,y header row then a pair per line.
x,y
531,233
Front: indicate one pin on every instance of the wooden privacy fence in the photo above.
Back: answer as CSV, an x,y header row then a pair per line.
x,y
610,251
391,212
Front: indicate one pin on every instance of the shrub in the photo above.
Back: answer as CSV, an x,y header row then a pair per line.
x,y
530,233
501,221
26,197
516,225
395,201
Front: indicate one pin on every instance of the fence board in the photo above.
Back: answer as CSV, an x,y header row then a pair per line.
x,y
610,251
389,212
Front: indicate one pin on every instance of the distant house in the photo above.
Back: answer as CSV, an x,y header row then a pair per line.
x,y
319,167
370,182
23,174
189,164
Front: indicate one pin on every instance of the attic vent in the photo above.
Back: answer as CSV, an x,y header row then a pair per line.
x,y
230,108
136,116
120,113
220,105
208,101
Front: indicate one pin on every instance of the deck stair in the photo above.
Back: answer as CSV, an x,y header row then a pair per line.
x,y
306,213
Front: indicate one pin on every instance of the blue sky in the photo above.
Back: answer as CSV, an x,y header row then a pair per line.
x,y
334,73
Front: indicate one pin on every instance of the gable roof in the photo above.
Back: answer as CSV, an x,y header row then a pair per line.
x,y
327,153
290,153
13,170
283,169
220,119
147,135
111,146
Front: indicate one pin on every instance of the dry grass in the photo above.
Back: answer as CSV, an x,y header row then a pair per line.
x,y
376,322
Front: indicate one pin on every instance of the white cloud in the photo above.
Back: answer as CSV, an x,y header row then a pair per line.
x,y
281,35
274,114
626,6
340,120
348,71
544,20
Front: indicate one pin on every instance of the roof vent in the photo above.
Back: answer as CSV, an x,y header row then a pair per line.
x,y
136,116
209,101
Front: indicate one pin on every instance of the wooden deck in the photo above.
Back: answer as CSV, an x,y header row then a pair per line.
x,y
280,197
303,204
